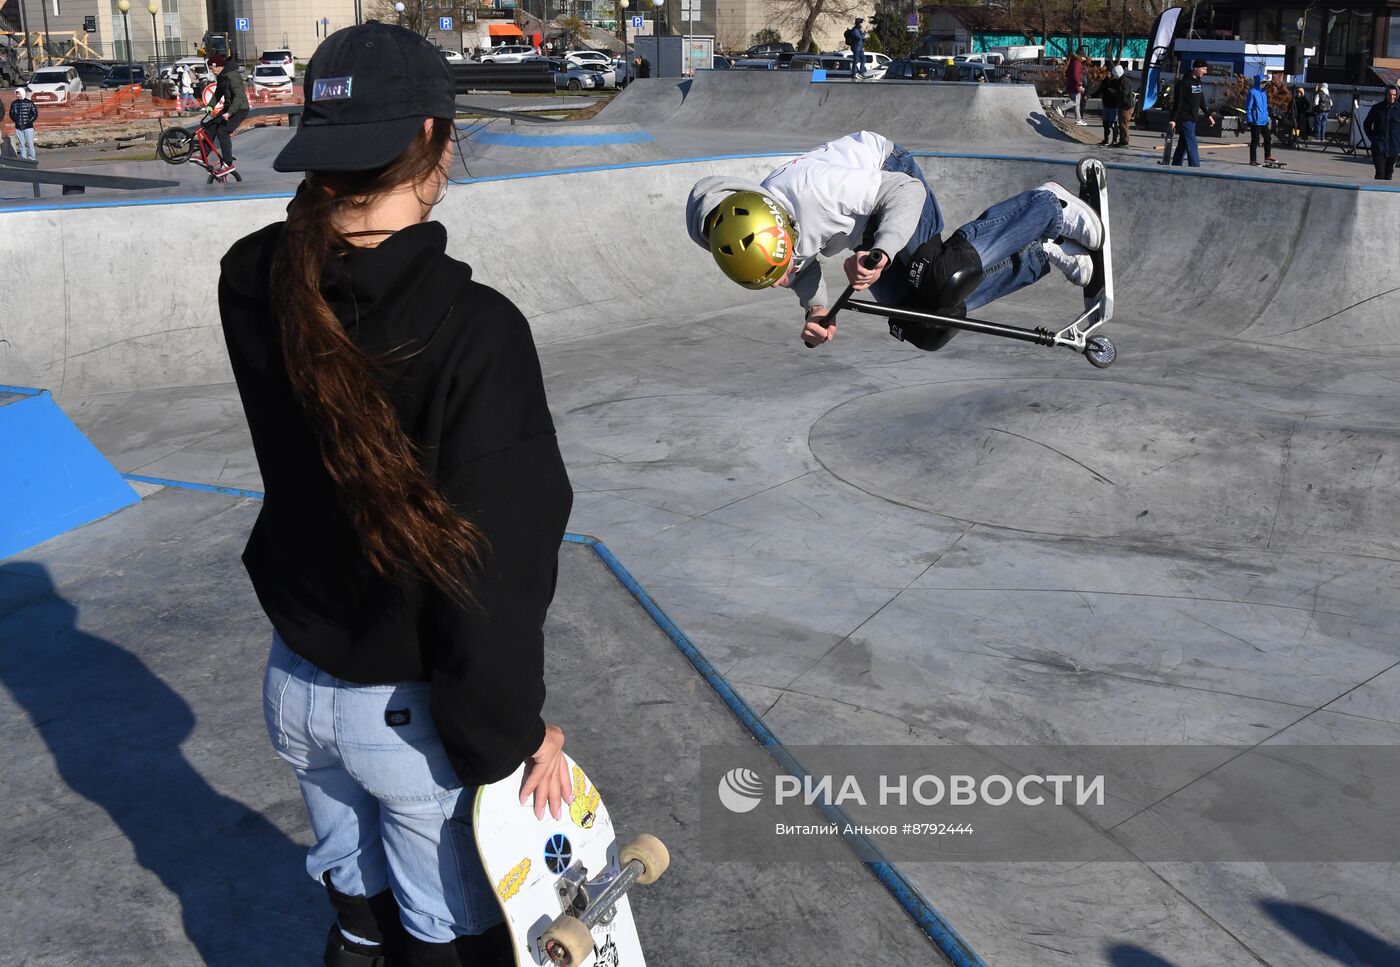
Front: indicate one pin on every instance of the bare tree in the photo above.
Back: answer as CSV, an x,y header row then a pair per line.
x,y
807,16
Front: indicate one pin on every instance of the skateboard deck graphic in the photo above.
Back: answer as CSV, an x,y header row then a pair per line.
x,y
541,867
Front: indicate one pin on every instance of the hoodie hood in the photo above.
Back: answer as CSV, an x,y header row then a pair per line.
x,y
705,198
1259,82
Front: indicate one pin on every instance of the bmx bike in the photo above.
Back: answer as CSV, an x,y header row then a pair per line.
x,y
180,145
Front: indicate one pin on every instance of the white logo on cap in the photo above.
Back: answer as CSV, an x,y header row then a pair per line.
x,y
331,89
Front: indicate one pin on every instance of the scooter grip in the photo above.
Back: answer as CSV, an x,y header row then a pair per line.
x,y
871,260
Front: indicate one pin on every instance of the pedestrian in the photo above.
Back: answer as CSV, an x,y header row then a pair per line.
x,y
1110,96
1188,105
1256,115
184,80
1074,84
1322,110
24,113
855,39
1127,107
867,194
406,552
642,66
1383,128
1298,112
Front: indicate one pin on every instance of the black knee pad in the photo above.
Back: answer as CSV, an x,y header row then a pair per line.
x,y
941,277
943,274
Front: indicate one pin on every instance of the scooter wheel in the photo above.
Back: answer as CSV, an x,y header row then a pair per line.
x,y
1100,351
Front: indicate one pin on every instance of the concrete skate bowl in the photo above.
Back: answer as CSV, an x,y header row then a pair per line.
x,y
779,105
1223,263
538,147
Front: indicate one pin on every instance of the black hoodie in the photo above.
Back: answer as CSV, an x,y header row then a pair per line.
x,y
460,368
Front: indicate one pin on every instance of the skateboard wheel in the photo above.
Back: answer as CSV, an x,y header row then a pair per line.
x,y
1100,351
567,942
651,853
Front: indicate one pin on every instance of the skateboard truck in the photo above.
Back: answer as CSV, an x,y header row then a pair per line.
x,y
1078,335
585,903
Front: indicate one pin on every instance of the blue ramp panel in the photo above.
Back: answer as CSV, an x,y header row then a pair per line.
x,y
51,478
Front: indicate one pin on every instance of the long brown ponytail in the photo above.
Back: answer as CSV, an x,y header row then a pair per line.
x,y
403,521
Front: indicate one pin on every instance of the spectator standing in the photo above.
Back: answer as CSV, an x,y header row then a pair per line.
x,y
1127,106
1188,106
1074,85
1383,128
1110,92
184,79
1322,110
24,113
855,38
1256,115
1298,111
641,66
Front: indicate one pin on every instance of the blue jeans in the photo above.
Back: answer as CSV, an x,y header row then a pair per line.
x,y
857,61
385,806
1186,145
890,288
1008,239
1320,125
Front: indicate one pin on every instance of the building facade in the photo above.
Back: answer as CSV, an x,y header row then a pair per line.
x,y
175,29
1346,41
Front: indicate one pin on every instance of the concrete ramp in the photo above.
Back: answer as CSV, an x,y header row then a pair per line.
x,y
538,147
1213,258
792,103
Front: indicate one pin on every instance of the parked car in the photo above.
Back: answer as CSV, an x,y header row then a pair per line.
x,y
282,58
834,63
915,69
875,64
977,71
452,56
507,54
124,75
91,72
271,80
197,66
722,63
574,77
770,50
54,85
589,57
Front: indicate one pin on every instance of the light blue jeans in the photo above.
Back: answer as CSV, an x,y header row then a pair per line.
x,y
385,806
24,143
1008,239
1320,125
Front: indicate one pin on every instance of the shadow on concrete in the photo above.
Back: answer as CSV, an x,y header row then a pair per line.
x,y
1043,126
1331,936
1130,955
115,730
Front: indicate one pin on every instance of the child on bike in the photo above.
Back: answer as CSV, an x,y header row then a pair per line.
x,y
228,109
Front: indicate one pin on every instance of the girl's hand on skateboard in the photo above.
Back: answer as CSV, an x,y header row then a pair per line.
x,y
816,331
547,776
861,277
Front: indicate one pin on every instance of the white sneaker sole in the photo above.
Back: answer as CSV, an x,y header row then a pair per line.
x,y
1072,200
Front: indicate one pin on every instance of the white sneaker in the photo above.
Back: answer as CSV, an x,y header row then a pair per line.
x,y
1082,123
1081,221
1072,259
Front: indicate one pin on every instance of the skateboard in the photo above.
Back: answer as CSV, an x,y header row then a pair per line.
x,y
562,884
928,330
1168,142
1275,164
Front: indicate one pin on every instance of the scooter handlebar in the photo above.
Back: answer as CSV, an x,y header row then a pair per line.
x,y
871,260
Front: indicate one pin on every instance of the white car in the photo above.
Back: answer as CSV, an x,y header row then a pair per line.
x,y
507,54
54,85
198,67
592,58
452,56
271,80
875,64
283,58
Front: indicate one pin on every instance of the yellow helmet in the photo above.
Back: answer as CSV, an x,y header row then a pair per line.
x,y
752,238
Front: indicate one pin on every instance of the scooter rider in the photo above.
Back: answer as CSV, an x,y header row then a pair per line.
x,y
865,194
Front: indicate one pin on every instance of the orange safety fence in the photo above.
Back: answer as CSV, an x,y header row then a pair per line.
x,y
115,105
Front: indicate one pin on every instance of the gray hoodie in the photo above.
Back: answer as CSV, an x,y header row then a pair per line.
x,y
897,205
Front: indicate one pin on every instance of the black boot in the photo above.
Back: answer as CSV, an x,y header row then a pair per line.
x,y
489,949
373,919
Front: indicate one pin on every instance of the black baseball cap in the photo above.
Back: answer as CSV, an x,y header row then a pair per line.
x,y
367,92
1198,63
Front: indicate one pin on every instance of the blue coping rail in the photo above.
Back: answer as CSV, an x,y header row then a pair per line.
x,y
933,924
1149,168
510,140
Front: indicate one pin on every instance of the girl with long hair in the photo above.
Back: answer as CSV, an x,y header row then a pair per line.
x,y
407,548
